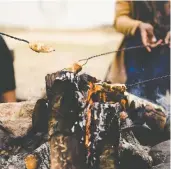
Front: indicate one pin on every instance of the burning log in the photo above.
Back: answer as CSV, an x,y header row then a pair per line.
x,y
100,129
143,111
63,112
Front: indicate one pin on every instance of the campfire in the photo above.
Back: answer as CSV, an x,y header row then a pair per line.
x,y
85,123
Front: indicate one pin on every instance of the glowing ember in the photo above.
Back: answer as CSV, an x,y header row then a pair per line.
x,y
31,162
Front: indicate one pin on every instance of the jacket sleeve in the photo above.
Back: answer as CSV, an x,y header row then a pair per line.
x,y
123,21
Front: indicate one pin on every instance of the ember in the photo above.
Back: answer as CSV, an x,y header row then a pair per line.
x,y
31,162
90,125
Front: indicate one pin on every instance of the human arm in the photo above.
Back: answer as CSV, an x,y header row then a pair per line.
x,y
125,24
7,77
123,21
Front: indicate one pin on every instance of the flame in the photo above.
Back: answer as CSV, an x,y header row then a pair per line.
x,y
123,103
88,122
93,88
103,96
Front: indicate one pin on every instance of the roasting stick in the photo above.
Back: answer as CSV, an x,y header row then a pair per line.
x,y
35,46
115,51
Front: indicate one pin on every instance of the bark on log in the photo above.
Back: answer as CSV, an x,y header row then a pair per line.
x,y
144,111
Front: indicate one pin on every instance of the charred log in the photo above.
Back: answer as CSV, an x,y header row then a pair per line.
x,y
132,154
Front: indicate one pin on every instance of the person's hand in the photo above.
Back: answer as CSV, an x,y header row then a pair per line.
x,y
167,39
147,36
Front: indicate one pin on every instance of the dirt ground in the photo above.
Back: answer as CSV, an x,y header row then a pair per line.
x,y
70,46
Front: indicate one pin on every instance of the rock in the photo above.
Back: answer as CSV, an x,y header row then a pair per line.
x,y
4,138
131,153
162,166
134,156
16,117
28,143
167,128
40,116
143,134
161,153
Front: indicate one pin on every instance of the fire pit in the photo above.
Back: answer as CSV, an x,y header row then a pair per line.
x,y
84,123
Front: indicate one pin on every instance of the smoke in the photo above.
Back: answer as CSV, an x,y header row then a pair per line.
x,y
138,90
161,99
164,100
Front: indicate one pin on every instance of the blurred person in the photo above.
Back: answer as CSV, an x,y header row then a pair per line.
x,y
7,79
147,23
